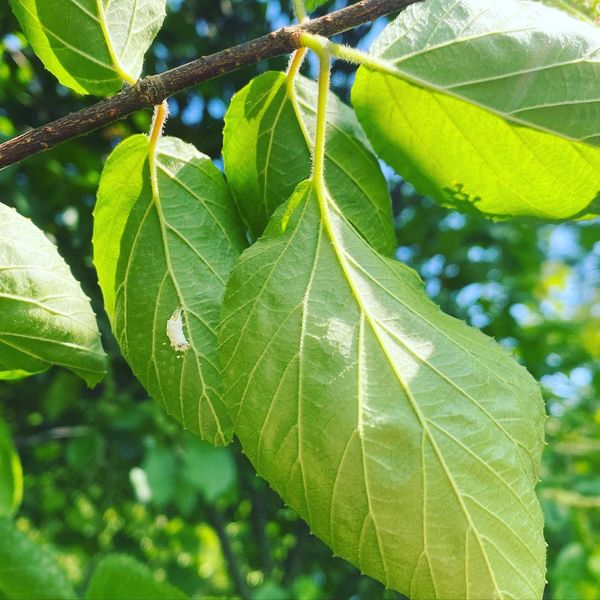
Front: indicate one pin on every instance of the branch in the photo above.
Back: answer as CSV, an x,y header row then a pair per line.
x,y
152,90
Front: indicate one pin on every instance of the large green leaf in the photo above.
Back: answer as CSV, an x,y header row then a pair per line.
x,y
157,254
490,105
91,46
11,474
45,318
409,441
267,152
28,570
121,577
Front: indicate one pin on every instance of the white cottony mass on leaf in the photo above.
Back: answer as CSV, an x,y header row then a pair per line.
x,y
45,318
409,441
489,105
161,245
91,46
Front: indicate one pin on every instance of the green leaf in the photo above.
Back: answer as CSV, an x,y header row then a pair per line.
x,y
582,9
91,46
160,254
409,441
267,152
11,474
29,570
311,5
121,577
45,318
488,105
160,465
209,470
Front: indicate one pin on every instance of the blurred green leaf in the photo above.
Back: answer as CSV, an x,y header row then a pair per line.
x,y
570,577
314,4
270,591
160,466
121,577
11,474
85,451
210,470
29,570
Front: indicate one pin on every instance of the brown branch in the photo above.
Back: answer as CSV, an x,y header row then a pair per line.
x,y
154,89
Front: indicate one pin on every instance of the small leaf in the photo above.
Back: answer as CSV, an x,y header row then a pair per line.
x,y
160,466
489,105
209,470
45,318
311,5
166,256
91,46
121,577
11,474
267,152
409,442
29,570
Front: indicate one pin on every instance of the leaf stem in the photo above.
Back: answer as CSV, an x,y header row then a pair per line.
x,y
295,64
161,113
351,55
318,174
293,69
300,11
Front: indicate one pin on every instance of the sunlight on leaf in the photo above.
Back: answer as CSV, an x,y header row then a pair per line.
x,y
490,106
91,46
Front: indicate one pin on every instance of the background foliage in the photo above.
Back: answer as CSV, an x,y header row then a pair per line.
x,y
107,471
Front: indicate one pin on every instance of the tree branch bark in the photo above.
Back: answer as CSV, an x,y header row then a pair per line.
x,y
154,89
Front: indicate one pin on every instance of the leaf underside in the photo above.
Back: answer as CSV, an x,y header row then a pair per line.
x,y
159,255
489,105
267,153
45,318
91,46
409,441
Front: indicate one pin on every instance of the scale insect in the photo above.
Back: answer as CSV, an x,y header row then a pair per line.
x,y
175,332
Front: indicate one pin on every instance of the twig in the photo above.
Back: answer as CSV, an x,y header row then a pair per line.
x,y
239,583
56,433
152,90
